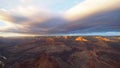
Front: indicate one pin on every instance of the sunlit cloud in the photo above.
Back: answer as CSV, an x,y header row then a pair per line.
x,y
89,7
87,17
93,16
28,20
4,16
8,34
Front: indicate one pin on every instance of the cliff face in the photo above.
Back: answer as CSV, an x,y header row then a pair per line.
x,y
43,61
62,52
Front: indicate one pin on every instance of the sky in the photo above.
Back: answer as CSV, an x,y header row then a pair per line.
x,y
59,17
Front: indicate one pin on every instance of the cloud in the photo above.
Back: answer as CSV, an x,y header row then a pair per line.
x,y
93,16
87,17
8,34
4,15
98,22
89,7
36,21
26,1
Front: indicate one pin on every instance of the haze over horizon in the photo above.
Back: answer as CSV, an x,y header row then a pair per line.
x,y
76,17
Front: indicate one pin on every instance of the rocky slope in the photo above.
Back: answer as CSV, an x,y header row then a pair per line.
x,y
60,52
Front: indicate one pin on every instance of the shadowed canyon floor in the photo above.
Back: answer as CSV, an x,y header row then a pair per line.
x,y
60,52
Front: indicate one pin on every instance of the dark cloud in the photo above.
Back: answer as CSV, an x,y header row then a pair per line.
x,y
40,23
97,22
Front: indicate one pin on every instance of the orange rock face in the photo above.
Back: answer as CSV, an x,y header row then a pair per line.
x,y
81,39
102,38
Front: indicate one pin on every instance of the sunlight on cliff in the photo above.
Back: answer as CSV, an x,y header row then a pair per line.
x,y
102,38
81,39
